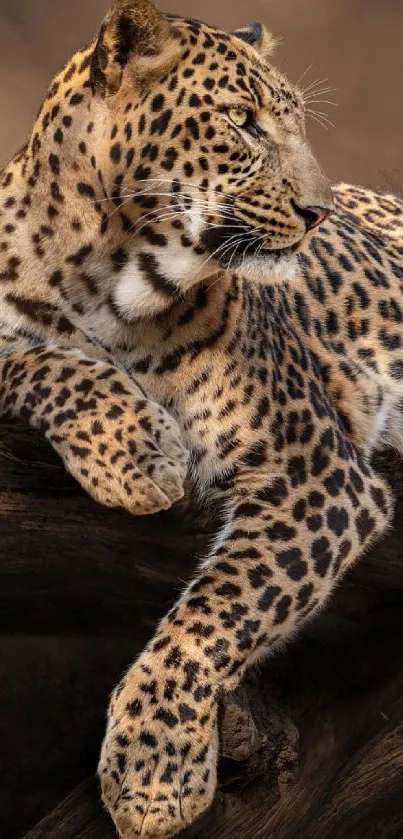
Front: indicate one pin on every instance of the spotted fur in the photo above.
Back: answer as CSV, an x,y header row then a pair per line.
x,y
153,309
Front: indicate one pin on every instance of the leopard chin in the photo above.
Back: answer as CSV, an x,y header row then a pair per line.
x,y
269,267
243,252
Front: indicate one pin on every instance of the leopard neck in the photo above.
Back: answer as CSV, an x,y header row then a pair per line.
x,y
60,273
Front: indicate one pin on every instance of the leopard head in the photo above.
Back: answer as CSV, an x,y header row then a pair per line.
x,y
193,146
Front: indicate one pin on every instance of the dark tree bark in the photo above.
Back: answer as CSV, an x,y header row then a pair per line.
x,y
312,744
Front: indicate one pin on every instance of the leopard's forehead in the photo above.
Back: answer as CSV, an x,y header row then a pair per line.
x,y
208,37
255,76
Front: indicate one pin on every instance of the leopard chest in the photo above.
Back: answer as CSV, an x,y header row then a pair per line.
x,y
372,405
388,421
221,411
237,410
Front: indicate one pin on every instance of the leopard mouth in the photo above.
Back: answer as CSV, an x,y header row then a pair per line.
x,y
233,244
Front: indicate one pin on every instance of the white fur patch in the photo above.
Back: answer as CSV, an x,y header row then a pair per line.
x,y
268,270
195,223
135,296
182,266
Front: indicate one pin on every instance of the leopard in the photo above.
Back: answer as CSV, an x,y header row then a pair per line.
x,y
190,310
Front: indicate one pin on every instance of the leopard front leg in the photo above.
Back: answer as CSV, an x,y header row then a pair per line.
x,y
277,559
124,449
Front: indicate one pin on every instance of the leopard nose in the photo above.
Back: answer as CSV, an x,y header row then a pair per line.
x,y
313,216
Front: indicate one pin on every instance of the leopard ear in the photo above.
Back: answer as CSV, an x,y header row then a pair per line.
x,y
135,35
258,37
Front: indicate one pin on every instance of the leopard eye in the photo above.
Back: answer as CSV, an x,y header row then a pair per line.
x,y
241,117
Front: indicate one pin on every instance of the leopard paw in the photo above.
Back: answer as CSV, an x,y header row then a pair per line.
x,y
125,450
158,765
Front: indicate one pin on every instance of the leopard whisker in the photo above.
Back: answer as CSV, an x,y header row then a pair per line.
x,y
217,206
313,84
320,91
134,196
223,247
186,185
228,244
167,216
309,67
320,101
321,118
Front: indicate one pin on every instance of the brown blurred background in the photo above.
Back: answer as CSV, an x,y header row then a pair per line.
x,y
355,44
